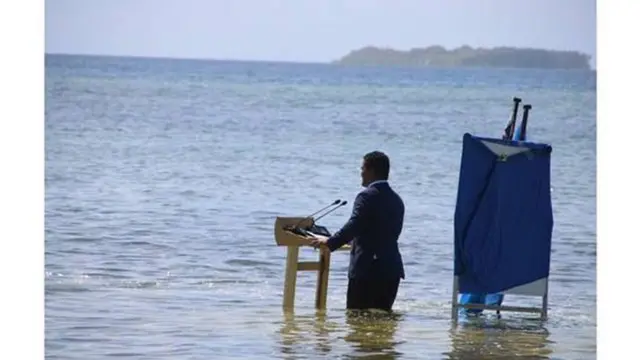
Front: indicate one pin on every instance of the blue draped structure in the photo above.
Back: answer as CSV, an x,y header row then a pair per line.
x,y
503,218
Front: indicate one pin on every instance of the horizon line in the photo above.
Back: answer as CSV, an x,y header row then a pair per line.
x,y
198,58
301,62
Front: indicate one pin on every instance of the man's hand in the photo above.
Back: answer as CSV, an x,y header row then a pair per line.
x,y
319,241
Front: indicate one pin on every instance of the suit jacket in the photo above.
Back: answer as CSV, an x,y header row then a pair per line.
x,y
373,229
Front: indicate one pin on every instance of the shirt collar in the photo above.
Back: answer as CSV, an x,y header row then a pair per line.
x,y
377,182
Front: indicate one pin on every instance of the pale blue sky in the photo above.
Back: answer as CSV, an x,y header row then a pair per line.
x,y
310,30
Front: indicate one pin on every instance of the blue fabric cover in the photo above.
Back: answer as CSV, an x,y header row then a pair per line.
x,y
503,218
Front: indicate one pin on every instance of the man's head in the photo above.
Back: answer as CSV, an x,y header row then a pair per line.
x,y
375,166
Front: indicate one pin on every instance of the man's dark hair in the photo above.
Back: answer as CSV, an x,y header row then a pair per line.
x,y
379,163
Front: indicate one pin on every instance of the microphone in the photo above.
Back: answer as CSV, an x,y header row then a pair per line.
x,y
324,208
343,203
296,226
321,230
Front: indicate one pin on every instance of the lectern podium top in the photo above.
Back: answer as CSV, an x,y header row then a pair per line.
x,y
288,238
285,237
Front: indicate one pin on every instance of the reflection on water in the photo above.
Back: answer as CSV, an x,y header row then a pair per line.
x,y
299,332
372,335
497,339
368,335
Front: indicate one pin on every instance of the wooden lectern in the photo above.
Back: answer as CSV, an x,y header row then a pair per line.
x,y
293,242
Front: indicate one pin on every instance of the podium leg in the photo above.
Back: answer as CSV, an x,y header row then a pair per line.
x,y
323,279
290,276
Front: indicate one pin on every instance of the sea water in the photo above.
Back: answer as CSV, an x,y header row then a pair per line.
x,y
164,178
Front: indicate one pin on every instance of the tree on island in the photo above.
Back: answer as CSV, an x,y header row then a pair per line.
x,y
466,56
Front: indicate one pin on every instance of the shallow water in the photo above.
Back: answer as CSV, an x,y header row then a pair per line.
x,y
163,179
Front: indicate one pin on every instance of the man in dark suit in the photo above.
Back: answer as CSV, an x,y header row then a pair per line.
x,y
375,265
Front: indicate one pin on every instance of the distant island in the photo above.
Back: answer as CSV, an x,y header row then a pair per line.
x,y
466,56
